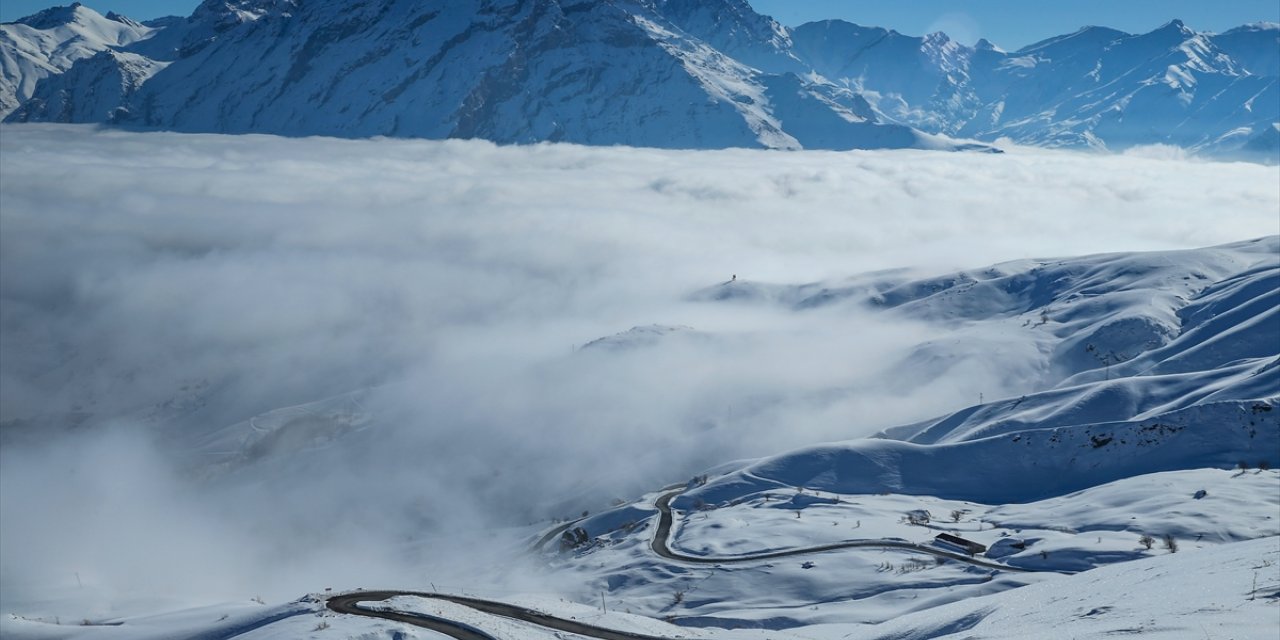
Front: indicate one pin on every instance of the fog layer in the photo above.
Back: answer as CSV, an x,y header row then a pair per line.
x,y
166,299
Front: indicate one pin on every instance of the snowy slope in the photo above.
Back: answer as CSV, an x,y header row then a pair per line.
x,y
864,590
664,73
735,29
1024,465
598,73
1097,87
93,89
50,42
1229,592
1252,47
1146,363
1222,523
1172,82
1156,374
1091,314
909,79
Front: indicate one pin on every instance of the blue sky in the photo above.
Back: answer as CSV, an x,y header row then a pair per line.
x,y
1015,23
1008,23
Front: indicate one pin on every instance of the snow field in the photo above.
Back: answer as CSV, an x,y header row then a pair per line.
x,y
1082,531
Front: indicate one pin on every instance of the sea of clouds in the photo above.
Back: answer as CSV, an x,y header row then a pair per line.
x,y
163,294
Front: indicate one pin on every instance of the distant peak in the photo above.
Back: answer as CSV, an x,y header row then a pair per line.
x,y
56,16
1255,26
1093,35
249,7
1096,29
115,17
984,44
1175,25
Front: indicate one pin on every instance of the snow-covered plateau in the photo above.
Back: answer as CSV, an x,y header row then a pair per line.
x,y
262,387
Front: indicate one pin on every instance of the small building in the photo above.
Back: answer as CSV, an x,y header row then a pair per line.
x,y
968,546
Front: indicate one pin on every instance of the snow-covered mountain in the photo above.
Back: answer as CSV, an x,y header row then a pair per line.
x,y
665,73
549,70
50,42
1097,87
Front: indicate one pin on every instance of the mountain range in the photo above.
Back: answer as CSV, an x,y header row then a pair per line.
x,y
658,73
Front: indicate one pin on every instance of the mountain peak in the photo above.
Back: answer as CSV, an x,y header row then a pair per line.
x,y
937,36
984,44
1095,35
58,16
115,17
1254,27
1175,26
237,11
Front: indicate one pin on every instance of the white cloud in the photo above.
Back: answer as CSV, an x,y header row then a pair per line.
x,y
175,285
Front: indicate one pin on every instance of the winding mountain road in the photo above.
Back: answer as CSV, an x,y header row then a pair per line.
x,y
660,543
349,604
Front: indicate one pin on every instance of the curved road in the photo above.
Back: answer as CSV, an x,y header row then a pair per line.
x,y
662,537
348,603
660,544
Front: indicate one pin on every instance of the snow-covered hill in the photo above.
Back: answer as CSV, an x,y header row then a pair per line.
x,y
1152,430
660,73
1228,592
1145,363
1234,596
1131,364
